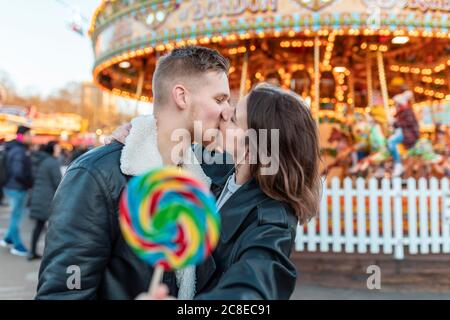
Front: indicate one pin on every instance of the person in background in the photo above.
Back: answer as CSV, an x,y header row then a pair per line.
x,y
47,179
18,181
406,129
78,152
36,159
2,170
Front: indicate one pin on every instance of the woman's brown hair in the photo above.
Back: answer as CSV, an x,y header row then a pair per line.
x,y
297,181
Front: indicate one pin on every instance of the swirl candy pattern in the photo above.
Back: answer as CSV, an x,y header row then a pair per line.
x,y
169,219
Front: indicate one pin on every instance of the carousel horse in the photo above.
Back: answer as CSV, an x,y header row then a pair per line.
x,y
374,165
344,150
423,161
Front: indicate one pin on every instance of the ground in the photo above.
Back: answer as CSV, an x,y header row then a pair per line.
x,y
18,277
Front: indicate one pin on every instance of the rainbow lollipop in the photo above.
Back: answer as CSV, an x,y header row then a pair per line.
x,y
169,219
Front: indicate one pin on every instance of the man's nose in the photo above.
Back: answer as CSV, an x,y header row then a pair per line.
x,y
227,113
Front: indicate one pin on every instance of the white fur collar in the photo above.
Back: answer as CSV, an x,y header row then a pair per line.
x,y
139,155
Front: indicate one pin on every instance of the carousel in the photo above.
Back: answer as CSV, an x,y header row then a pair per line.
x,y
348,59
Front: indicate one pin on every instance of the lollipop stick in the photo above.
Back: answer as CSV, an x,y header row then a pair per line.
x,y
156,280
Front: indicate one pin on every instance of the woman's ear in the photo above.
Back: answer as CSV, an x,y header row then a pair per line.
x,y
179,95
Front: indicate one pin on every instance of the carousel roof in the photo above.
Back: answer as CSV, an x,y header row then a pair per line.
x,y
277,37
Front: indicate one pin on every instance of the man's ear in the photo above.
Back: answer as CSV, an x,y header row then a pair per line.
x,y
180,96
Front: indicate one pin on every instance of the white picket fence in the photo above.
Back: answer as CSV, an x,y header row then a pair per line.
x,y
386,216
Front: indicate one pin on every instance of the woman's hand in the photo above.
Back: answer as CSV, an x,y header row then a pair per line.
x,y
162,293
120,134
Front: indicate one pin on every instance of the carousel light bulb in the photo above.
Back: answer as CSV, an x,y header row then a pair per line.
x,y
160,16
125,64
150,19
400,40
339,69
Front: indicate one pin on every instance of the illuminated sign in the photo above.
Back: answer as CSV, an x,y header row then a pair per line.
x,y
314,5
422,5
425,5
219,8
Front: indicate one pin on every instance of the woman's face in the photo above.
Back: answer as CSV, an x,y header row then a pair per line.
x,y
233,127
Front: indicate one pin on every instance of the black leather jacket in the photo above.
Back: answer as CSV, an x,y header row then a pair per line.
x,y
250,262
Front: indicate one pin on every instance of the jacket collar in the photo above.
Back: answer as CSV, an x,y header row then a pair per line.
x,y
236,209
140,153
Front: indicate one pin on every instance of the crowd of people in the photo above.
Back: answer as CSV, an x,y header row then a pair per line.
x,y
29,177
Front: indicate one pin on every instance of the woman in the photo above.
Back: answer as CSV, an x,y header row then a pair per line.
x,y
260,206
47,179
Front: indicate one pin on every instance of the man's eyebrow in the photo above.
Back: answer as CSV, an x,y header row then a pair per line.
x,y
225,95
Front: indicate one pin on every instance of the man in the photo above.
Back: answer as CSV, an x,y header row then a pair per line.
x,y
86,256
18,182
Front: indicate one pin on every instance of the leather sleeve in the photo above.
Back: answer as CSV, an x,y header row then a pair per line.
x,y
262,268
78,235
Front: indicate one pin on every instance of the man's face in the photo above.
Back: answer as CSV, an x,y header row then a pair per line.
x,y
209,98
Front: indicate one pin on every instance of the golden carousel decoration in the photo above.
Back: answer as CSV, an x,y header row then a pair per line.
x,y
341,55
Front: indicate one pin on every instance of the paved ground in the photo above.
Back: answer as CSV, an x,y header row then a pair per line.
x,y
18,277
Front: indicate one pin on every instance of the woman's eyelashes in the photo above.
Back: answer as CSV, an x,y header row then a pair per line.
x,y
222,100
233,117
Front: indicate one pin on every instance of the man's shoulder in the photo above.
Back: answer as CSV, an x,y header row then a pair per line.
x,y
105,158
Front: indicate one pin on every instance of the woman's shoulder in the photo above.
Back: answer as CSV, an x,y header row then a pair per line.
x,y
276,213
50,161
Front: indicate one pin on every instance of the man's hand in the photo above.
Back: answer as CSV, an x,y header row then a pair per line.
x,y
162,293
120,134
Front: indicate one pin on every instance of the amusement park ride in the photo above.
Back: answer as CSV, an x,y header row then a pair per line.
x,y
345,57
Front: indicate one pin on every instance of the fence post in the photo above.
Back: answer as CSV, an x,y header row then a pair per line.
x,y
398,220
336,214
412,217
434,215
299,239
373,214
445,215
323,220
361,214
423,217
348,215
387,216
